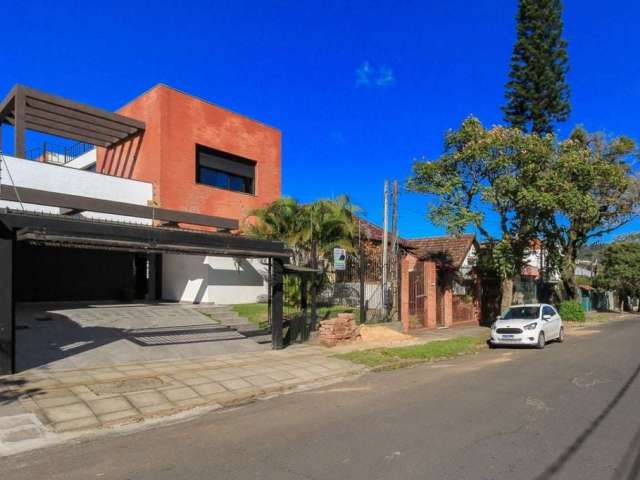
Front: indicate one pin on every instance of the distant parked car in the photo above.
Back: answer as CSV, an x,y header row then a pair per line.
x,y
533,324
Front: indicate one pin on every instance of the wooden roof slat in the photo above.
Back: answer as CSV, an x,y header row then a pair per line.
x,y
80,116
83,108
27,108
74,122
37,122
67,134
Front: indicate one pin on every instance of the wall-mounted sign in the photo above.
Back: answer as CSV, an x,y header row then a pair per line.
x,y
339,258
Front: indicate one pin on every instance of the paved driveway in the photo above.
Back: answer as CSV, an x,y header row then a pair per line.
x,y
82,335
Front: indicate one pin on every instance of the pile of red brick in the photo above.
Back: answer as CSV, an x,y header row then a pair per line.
x,y
340,329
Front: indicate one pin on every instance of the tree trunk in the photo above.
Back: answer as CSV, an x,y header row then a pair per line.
x,y
568,273
506,294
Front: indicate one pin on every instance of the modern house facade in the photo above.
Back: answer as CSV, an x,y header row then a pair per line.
x,y
153,212
191,156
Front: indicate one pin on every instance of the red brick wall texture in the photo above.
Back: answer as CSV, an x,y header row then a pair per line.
x,y
165,154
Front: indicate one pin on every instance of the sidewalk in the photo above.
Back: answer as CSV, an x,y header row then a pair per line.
x,y
48,405
37,402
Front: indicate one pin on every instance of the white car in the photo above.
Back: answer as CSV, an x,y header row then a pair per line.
x,y
533,324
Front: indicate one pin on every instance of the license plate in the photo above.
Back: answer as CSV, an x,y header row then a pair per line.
x,y
507,337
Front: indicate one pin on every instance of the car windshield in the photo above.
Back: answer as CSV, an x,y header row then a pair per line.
x,y
524,313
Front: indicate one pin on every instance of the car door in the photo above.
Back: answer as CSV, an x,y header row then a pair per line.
x,y
553,324
547,325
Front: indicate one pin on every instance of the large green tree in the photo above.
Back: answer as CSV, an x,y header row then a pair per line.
x,y
537,93
595,193
498,170
620,269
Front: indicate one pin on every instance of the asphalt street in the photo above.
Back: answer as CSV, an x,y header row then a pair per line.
x,y
571,411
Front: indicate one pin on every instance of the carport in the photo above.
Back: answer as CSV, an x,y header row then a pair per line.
x,y
22,227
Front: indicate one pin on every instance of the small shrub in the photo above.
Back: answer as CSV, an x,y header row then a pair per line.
x,y
572,311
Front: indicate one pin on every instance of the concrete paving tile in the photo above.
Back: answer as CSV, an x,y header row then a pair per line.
x,y
109,405
104,377
191,402
146,399
24,434
194,380
119,417
279,375
209,388
78,424
50,402
68,412
235,384
217,375
164,408
180,393
259,380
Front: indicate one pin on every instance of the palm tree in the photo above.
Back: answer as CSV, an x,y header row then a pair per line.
x,y
327,223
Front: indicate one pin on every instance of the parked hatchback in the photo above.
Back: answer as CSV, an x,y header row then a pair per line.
x,y
533,324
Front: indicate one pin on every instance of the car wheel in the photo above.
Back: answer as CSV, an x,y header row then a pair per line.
x,y
541,341
561,335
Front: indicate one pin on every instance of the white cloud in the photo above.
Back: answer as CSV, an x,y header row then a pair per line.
x,y
368,75
363,74
385,77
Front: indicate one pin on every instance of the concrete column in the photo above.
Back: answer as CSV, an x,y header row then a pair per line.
x,y
430,290
277,303
19,127
7,305
405,265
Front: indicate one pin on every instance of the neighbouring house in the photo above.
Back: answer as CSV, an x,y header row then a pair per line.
x,y
440,284
143,203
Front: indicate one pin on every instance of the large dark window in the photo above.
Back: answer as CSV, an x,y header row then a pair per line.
x,y
223,170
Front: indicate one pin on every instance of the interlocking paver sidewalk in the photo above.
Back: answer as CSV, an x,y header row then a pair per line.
x,y
77,399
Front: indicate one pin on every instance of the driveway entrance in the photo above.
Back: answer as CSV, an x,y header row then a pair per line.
x,y
90,335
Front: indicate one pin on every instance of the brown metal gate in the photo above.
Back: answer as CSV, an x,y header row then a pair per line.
x,y
416,296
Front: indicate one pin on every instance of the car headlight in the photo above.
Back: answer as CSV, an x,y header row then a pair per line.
x,y
493,326
531,326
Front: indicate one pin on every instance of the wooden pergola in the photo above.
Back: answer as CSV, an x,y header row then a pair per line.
x,y
28,109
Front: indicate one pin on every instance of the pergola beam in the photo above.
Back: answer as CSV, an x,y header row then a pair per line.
x,y
26,108
77,202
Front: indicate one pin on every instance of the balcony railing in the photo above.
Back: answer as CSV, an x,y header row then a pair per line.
x,y
57,154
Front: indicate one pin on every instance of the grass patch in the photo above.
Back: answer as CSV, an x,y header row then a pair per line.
x,y
397,356
257,312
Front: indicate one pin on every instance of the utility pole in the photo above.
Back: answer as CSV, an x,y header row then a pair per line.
x,y
394,241
385,241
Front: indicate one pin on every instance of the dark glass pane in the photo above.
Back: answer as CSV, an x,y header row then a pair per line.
x,y
214,178
238,184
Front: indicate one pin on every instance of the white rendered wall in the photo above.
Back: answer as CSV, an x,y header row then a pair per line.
x,y
72,181
84,161
221,280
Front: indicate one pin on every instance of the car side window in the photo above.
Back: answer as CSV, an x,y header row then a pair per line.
x,y
548,311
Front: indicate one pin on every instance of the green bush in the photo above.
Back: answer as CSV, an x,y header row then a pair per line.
x,y
572,311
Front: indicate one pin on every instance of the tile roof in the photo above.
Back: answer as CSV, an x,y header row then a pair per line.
x,y
449,249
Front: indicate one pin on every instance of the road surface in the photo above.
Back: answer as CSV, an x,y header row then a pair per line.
x,y
571,411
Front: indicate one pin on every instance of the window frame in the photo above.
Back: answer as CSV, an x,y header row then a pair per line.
x,y
222,163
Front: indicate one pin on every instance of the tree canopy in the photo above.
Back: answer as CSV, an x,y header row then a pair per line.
x,y
620,269
500,170
537,93
595,193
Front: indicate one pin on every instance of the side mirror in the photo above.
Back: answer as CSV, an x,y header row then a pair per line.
x,y
499,317
546,317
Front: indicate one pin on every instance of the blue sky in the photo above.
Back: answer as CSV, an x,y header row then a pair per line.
x,y
358,89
